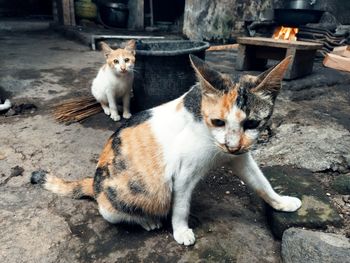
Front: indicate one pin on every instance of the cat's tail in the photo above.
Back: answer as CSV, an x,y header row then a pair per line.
x,y
73,189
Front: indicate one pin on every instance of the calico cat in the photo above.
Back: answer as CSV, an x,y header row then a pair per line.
x,y
114,80
151,164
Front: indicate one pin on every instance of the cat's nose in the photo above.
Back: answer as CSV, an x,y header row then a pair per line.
x,y
123,69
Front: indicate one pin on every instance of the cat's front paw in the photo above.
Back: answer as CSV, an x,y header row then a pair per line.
x,y
115,116
126,115
184,236
287,204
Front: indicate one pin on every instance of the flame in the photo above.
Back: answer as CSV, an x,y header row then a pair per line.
x,y
286,33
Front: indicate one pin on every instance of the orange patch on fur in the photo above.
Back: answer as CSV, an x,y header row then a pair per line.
x,y
75,189
142,183
218,108
240,115
228,101
107,154
103,201
245,142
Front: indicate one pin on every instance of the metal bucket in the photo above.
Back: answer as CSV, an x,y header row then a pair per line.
x,y
163,71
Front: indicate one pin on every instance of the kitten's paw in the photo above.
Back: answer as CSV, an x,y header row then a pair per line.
x,y
184,236
288,204
126,115
115,116
107,111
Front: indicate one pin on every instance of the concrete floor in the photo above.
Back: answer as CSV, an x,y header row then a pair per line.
x,y
36,226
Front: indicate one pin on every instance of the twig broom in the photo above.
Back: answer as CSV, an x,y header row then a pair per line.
x,y
77,109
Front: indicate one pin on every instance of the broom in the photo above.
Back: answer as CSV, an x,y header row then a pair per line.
x,y
77,109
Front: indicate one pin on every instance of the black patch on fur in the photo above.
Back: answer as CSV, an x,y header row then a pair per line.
x,y
119,164
38,177
137,119
116,143
193,102
121,206
242,98
137,187
100,175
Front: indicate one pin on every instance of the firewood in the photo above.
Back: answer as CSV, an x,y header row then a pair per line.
x,y
343,51
337,62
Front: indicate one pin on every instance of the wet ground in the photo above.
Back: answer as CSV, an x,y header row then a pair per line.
x,y
310,130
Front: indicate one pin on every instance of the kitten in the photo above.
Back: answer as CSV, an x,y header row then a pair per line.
x,y
114,80
152,163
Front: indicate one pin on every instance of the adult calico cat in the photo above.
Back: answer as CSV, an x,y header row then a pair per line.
x,y
150,166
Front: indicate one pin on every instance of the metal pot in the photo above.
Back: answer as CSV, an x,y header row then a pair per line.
x,y
297,17
114,14
301,4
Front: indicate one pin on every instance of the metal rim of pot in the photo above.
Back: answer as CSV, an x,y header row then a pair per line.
x,y
202,45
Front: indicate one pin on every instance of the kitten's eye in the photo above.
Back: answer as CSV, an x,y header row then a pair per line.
x,y
115,61
126,60
218,122
250,124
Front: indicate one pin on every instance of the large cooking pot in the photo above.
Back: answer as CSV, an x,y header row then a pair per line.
x,y
297,17
298,12
301,4
114,13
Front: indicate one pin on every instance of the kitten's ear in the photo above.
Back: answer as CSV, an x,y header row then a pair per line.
x,y
269,82
211,81
131,46
106,49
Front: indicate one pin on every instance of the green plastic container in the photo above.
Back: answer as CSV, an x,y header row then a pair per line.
x,y
85,9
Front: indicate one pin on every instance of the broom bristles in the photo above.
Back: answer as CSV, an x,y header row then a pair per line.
x,y
77,109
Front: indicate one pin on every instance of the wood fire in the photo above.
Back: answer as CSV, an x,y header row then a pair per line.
x,y
286,33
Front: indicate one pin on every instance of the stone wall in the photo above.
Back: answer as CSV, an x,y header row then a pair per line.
x,y
220,19
223,20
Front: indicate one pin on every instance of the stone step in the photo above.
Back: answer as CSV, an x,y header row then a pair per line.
x,y
316,212
300,245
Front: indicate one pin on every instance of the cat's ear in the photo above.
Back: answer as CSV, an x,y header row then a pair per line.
x,y
106,49
269,82
211,81
131,46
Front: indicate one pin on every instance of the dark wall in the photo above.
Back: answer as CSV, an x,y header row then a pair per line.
x,y
339,8
25,7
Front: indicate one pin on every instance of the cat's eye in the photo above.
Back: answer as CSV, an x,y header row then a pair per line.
x,y
250,124
218,122
115,61
126,60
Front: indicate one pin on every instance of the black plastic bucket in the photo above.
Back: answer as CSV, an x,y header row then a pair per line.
x,y
163,71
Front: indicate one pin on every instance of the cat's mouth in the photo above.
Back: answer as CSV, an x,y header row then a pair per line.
x,y
235,150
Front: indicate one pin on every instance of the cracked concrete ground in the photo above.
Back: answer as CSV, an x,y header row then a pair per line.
x,y
229,221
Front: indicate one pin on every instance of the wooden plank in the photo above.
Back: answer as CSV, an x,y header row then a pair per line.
x,y
263,41
343,51
136,14
223,47
337,62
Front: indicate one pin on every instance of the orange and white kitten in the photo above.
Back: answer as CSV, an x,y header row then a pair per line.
x,y
151,164
115,79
